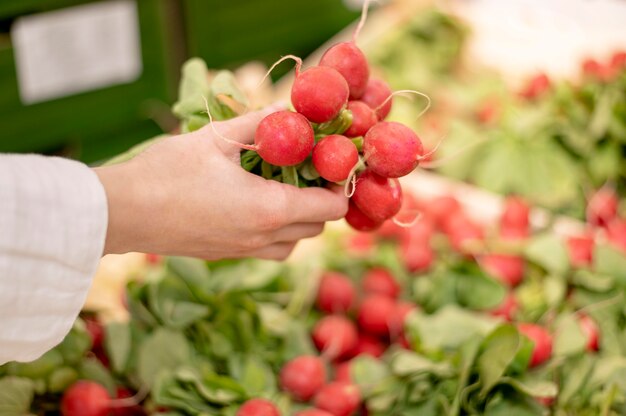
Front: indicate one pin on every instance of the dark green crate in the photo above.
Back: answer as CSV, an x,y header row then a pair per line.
x,y
98,115
230,33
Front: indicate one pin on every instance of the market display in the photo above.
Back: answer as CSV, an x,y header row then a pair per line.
x,y
418,308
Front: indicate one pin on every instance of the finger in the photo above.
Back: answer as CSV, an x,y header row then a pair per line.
x,y
315,204
296,232
276,251
240,129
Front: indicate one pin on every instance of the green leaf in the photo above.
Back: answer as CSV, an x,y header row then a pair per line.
x,y
610,261
118,345
255,375
370,374
250,159
498,351
16,396
193,85
575,377
92,369
308,171
568,337
478,291
168,391
40,368
448,328
290,175
532,387
61,379
548,251
224,83
407,363
593,281
212,387
164,349
194,272
509,406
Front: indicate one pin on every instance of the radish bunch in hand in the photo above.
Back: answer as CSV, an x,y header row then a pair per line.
x,y
338,134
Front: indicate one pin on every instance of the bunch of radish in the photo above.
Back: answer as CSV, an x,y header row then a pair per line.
x,y
338,134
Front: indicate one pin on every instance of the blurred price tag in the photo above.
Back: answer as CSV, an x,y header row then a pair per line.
x,y
76,49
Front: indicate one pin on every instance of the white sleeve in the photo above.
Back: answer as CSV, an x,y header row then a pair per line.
x,y
53,220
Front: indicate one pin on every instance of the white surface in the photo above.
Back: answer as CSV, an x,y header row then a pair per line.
x,y
53,221
521,37
76,49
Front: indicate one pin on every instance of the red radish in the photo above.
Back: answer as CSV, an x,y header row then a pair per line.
x,y
616,233
258,407
376,93
319,93
515,214
417,257
368,345
85,398
334,157
489,111
348,59
545,401
409,212
441,208
153,258
536,86
338,398
542,342
391,149
580,249
380,281
618,60
283,138
514,233
358,220
398,317
335,293
342,372
303,376
507,308
509,269
335,336
602,207
130,410
377,197
419,233
591,331
375,314
363,118
313,412
390,230
462,230
360,244
594,69
96,332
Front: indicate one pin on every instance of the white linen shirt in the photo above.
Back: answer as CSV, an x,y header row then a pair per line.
x,y
53,221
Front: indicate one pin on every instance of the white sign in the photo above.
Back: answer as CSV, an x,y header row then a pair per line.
x,y
76,49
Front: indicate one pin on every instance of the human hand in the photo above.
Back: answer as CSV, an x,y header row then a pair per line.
x,y
188,195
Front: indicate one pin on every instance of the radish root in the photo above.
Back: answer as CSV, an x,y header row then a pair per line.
x,y
355,35
441,162
283,59
218,134
350,186
403,93
409,224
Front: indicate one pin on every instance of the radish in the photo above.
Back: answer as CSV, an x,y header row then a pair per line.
x,y
375,314
542,342
334,157
335,293
319,93
398,317
616,233
591,331
509,269
350,61
363,118
283,138
536,86
258,407
129,410
618,60
338,398
441,208
342,372
376,96
595,70
602,207
489,111
360,244
462,230
580,250
507,308
416,257
153,259
335,336
410,213
368,345
391,149
377,197
515,214
85,398
313,412
303,376
358,220
96,332
380,281
419,233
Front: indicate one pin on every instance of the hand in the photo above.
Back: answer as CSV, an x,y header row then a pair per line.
x,y
188,195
